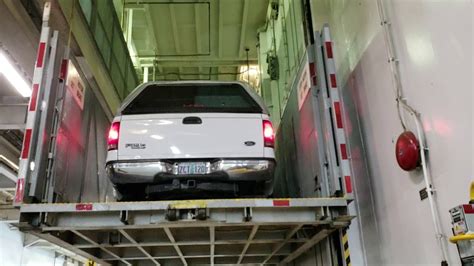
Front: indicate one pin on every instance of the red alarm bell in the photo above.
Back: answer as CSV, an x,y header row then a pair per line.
x,y
407,151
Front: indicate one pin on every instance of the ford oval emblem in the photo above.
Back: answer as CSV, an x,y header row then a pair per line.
x,y
249,143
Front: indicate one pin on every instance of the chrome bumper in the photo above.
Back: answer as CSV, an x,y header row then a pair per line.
x,y
223,170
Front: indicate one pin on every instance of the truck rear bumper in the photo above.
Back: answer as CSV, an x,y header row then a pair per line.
x,y
126,172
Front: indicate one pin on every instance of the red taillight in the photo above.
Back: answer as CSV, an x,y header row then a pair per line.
x,y
268,134
113,138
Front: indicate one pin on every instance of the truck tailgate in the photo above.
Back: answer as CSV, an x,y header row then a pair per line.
x,y
190,135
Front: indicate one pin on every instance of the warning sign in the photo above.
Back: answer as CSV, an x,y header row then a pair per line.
x,y
75,85
304,84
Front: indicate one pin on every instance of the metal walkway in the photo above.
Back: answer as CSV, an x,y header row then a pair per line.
x,y
209,232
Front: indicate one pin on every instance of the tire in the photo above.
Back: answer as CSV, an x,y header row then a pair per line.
x,y
268,189
130,192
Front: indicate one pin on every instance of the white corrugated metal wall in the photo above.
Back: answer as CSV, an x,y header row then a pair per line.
x,y
433,40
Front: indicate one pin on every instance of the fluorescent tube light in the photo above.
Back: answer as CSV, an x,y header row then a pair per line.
x,y
14,77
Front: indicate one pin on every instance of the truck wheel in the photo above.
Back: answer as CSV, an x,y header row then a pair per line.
x,y
171,215
201,214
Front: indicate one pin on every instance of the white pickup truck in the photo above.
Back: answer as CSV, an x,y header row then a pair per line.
x,y
200,139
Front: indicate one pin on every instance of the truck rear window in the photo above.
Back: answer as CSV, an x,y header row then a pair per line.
x,y
193,98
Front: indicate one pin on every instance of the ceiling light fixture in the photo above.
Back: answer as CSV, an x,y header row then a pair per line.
x,y
251,75
14,77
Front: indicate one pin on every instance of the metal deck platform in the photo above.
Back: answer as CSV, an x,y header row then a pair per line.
x,y
204,232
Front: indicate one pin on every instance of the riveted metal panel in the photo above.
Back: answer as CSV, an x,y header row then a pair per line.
x,y
80,156
301,170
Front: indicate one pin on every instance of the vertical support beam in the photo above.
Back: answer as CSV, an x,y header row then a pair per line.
x,y
129,39
214,71
174,27
145,74
287,52
129,25
221,28
149,23
243,27
212,240
197,23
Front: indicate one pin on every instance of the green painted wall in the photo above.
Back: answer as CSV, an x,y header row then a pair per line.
x,y
285,38
96,28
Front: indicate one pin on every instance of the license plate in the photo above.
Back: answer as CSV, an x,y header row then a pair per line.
x,y
192,168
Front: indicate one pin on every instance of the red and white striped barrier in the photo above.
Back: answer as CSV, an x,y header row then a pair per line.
x,y
32,119
337,112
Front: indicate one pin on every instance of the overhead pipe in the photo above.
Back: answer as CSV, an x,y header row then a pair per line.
x,y
466,237
201,74
401,101
11,164
8,195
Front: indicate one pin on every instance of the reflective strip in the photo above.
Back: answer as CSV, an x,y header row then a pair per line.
x,y
20,190
468,208
329,49
348,184
312,72
337,109
40,56
333,81
343,151
34,97
84,207
64,68
281,203
26,145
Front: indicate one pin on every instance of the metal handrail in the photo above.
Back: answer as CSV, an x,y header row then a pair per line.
x,y
465,237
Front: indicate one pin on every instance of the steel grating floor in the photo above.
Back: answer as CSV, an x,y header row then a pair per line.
x,y
214,245
230,232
